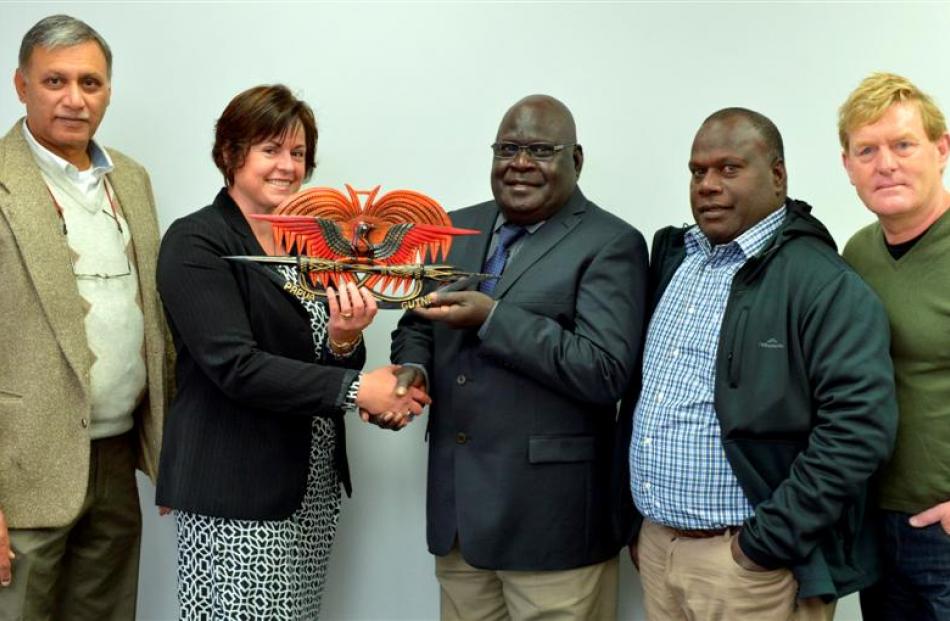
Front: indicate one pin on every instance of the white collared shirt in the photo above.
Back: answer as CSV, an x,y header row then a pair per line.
x,y
88,181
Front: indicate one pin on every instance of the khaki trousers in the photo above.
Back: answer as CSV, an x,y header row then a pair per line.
x,y
697,579
86,570
472,594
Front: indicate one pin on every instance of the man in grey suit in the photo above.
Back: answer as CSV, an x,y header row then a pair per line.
x,y
82,342
525,504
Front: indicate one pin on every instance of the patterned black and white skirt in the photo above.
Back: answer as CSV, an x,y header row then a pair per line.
x,y
253,569
244,570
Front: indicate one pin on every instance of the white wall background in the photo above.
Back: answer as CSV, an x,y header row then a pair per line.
x,y
410,95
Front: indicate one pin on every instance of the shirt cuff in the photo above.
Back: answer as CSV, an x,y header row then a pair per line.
x,y
349,390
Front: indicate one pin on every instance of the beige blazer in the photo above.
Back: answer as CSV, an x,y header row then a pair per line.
x,y
44,356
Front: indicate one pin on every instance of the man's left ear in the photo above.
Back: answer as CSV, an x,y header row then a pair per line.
x,y
779,176
943,150
578,160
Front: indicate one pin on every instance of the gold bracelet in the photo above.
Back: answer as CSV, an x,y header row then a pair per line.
x,y
345,348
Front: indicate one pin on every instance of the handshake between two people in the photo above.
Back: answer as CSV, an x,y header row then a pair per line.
x,y
391,397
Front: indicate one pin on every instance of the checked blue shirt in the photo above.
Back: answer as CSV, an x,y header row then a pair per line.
x,y
679,473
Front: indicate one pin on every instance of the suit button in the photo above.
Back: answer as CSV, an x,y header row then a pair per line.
x,y
461,438
84,422
460,380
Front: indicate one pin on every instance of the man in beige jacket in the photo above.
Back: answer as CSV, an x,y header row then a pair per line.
x,y
82,348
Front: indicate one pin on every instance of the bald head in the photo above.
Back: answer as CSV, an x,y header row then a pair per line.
x,y
557,116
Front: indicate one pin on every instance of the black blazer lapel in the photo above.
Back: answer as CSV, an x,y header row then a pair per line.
x,y
468,251
543,241
232,216
245,243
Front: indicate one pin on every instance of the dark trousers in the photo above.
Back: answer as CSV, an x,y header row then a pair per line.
x,y
88,569
915,583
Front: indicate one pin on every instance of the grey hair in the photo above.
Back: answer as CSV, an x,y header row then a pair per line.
x,y
61,31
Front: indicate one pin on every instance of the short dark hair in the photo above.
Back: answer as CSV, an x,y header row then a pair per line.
x,y
761,123
255,115
61,31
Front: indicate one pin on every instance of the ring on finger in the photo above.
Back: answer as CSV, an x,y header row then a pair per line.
x,y
347,315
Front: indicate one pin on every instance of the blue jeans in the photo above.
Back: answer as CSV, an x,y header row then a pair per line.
x,y
915,581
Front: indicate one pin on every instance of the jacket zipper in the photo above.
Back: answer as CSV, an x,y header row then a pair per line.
x,y
735,357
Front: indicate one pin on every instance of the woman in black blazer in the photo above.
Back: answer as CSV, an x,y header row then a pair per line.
x,y
254,448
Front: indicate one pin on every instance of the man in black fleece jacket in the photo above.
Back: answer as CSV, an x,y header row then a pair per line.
x,y
767,399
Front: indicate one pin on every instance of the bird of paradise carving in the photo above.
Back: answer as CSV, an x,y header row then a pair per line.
x,y
390,244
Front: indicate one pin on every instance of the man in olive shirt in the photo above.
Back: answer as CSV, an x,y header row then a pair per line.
x,y
895,147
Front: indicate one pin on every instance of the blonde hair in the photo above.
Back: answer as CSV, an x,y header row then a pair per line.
x,y
878,92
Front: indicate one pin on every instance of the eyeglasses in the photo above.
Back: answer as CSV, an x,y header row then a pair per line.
x,y
537,151
118,224
104,275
